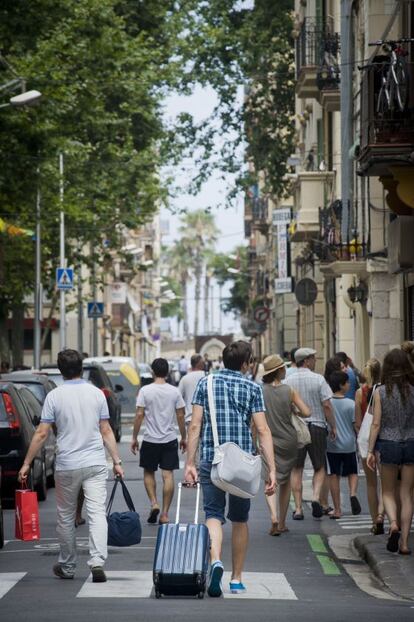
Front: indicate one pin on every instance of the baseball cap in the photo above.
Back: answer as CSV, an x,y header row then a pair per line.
x,y
303,353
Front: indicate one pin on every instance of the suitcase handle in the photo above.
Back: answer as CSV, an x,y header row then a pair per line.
x,y
180,487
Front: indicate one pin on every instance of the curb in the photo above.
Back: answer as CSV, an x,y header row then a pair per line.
x,y
394,571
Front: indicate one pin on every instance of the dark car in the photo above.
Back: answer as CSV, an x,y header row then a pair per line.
x,y
1,519
39,384
95,373
19,415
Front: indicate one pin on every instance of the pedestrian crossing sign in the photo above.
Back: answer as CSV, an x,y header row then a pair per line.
x,y
64,278
95,309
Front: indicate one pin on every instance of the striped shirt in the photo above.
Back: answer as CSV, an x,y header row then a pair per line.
x,y
236,399
314,390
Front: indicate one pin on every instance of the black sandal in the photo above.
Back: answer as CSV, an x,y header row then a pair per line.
x,y
152,518
393,540
377,528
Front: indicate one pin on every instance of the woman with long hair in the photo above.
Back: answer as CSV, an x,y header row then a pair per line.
x,y
363,397
392,431
282,403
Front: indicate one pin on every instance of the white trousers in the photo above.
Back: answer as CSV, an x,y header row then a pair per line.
x,y
68,483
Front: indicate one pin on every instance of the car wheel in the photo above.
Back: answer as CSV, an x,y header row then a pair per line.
x,y
41,487
1,528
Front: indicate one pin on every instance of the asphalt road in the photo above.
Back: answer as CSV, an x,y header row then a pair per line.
x,y
289,578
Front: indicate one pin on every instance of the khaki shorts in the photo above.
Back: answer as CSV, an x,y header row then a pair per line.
x,y
316,450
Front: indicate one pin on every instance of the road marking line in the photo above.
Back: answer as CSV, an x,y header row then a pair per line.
x,y
316,543
9,580
328,565
138,584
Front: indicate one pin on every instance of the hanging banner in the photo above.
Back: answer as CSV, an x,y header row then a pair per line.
x,y
118,293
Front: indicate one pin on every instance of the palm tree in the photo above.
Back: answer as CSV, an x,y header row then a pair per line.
x,y
198,230
208,274
180,266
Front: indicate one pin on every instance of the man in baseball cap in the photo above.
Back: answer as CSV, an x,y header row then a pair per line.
x,y
304,353
316,393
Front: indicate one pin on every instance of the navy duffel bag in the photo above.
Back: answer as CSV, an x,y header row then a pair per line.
x,y
124,528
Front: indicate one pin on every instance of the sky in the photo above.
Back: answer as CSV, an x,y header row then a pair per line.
x,y
229,220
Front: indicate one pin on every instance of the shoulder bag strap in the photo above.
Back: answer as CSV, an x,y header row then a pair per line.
x,y
111,498
127,496
371,398
212,408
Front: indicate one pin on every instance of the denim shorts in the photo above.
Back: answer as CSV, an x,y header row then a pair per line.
x,y
396,452
215,500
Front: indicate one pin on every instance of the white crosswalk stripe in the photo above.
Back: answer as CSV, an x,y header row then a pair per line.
x,y
9,580
138,584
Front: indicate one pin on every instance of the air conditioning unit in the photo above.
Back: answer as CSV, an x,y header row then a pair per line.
x,y
401,244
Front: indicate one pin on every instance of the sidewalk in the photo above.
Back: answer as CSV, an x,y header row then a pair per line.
x,y
394,570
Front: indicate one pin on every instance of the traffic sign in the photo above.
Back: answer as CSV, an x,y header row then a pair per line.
x,y
95,309
306,292
64,278
261,314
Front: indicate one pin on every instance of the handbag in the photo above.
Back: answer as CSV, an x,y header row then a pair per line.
x,y
234,470
124,528
302,431
365,429
26,515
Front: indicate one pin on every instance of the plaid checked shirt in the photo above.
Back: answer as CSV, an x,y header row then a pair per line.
x,y
236,399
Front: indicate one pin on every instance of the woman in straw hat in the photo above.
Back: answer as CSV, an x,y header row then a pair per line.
x,y
281,402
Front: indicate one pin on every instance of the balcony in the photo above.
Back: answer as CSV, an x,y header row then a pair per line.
x,y
317,62
386,137
338,255
312,188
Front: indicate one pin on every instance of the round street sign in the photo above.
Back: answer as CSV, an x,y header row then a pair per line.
x,y
261,314
306,292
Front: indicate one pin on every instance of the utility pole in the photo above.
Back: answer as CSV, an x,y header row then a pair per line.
x,y
62,331
80,307
94,295
220,311
38,286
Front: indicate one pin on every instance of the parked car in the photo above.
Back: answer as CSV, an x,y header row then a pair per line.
x,y
20,413
174,374
38,383
1,519
94,372
122,370
145,373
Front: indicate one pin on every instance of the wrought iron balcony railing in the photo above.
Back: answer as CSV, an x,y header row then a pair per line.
x,y
332,246
318,46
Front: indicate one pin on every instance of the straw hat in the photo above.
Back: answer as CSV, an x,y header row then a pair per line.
x,y
272,363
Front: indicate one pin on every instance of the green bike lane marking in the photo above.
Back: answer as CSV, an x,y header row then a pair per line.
x,y
318,546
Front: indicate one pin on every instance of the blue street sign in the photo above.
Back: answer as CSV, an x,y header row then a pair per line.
x,y
64,278
95,309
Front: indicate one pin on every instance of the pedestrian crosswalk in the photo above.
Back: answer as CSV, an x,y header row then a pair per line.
x,y
138,584
9,580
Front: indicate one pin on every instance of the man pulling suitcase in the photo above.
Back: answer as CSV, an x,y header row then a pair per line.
x,y
234,417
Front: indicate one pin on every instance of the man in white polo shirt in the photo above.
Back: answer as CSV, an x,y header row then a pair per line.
x,y
80,413
188,384
160,404
316,393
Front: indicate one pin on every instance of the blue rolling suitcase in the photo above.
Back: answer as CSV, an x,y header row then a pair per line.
x,y
181,556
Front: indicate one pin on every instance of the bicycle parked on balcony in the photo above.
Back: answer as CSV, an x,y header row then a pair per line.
x,y
393,92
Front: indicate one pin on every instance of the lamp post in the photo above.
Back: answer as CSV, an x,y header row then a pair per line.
x,y
62,328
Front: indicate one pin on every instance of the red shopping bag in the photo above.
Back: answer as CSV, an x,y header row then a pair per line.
x,y
27,515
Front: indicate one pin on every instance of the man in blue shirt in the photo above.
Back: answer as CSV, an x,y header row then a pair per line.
x,y
239,403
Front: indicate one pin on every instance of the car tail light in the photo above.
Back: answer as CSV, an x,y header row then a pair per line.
x,y
12,415
106,392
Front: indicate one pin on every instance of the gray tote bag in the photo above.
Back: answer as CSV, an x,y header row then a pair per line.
x,y
235,471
